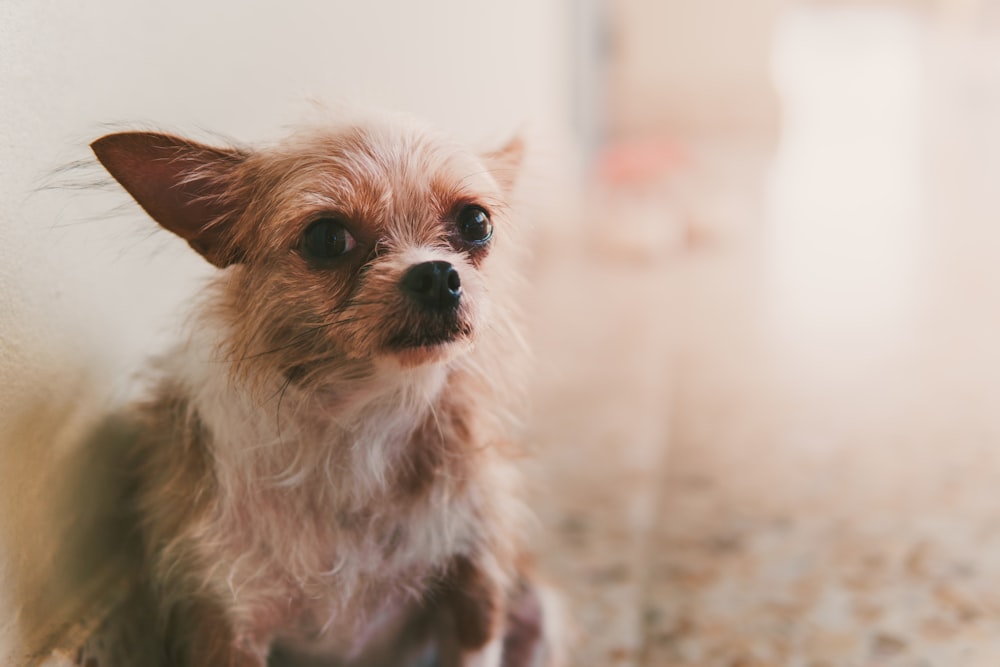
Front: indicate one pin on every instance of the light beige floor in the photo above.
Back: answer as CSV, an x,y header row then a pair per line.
x,y
780,445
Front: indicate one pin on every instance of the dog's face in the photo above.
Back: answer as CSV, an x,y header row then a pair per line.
x,y
359,243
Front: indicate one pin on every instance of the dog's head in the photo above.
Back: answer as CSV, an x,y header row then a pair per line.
x,y
354,243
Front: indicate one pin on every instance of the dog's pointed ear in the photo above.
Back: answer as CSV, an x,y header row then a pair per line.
x,y
182,184
505,164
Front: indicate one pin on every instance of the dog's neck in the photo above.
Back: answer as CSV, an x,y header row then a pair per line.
x,y
350,433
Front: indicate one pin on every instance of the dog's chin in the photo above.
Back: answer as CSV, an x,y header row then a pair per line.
x,y
430,354
429,345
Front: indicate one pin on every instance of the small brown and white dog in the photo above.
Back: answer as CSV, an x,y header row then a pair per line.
x,y
323,470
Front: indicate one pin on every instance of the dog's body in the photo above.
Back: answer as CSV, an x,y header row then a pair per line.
x,y
323,467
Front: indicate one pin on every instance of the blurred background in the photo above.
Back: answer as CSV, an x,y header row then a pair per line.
x,y
763,300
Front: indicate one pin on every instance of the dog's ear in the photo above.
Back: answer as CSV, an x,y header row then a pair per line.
x,y
182,184
505,163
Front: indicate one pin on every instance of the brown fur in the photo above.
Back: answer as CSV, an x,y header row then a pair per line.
x,y
314,475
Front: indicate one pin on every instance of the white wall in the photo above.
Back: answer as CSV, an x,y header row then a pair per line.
x,y
85,294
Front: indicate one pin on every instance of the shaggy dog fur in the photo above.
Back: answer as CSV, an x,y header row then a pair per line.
x,y
323,470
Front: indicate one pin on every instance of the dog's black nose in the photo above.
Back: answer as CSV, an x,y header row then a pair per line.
x,y
433,285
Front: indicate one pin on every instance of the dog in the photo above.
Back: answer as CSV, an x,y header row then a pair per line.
x,y
324,471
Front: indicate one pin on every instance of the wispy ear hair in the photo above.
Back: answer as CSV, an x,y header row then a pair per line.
x,y
505,163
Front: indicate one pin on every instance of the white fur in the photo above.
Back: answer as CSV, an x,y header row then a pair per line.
x,y
289,455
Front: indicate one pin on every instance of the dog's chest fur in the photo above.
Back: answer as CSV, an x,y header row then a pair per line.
x,y
315,514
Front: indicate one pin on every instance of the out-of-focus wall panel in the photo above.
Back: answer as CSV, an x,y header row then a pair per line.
x,y
685,66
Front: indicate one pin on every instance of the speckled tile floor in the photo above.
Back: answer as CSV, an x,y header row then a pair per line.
x,y
780,447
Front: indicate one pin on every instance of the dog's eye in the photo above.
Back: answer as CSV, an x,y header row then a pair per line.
x,y
474,224
327,238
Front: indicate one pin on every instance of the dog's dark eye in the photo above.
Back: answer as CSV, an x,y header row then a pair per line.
x,y
327,238
474,224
